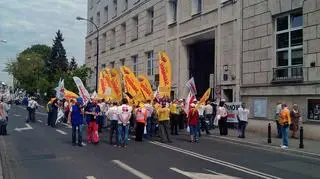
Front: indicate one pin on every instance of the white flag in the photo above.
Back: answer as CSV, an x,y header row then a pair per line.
x,y
84,94
60,90
189,100
192,86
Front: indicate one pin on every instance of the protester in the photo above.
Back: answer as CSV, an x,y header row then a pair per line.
x,y
141,117
295,119
243,113
182,114
284,121
49,110
163,117
208,112
54,112
203,124
277,118
32,106
222,115
92,111
3,119
113,115
125,112
150,122
174,118
193,117
75,118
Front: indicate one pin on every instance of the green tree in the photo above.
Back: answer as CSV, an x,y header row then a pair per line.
x,y
82,72
57,64
73,64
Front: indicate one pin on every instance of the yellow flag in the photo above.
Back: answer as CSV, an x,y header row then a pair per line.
x,y
205,96
116,85
145,87
131,83
165,75
101,84
70,95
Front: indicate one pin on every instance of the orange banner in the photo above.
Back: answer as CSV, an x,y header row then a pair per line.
x,y
205,96
145,87
165,75
116,85
131,83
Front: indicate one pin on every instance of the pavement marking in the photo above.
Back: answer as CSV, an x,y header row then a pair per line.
x,y
17,115
131,170
61,132
90,177
217,161
67,125
29,127
196,175
264,147
40,121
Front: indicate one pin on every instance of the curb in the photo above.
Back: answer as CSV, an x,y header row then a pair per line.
x,y
5,171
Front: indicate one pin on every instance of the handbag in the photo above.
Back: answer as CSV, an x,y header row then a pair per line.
x,y
145,130
188,129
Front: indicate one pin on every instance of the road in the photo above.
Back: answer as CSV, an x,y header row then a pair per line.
x,y
38,151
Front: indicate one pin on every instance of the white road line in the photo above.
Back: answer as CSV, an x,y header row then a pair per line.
x,y
67,125
217,161
61,132
17,115
40,121
131,170
90,177
197,175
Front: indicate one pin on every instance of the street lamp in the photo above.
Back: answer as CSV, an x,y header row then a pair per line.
x,y
97,60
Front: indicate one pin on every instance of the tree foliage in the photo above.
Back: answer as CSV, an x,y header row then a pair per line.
x,y
39,68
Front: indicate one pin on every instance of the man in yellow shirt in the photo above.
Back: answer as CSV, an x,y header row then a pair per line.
x,y
174,118
285,122
163,118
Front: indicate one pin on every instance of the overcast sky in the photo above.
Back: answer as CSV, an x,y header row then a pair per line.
x,y
27,22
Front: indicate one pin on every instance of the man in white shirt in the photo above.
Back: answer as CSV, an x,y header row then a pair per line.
x,y
204,126
113,115
149,109
125,112
277,117
208,113
243,114
32,105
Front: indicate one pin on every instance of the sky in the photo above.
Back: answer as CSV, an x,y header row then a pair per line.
x,y
27,22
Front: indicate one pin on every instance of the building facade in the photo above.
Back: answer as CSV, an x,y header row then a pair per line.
x,y
254,51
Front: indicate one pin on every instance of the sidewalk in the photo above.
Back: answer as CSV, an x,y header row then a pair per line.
x,y
311,148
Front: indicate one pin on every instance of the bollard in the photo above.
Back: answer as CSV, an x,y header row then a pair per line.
x,y
301,145
269,133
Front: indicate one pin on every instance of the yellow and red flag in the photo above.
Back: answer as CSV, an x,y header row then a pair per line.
x,y
165,75
131,83
145,87
116,85
70,95
205,96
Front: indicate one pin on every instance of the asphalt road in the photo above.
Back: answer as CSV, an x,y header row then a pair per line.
x,y
44,152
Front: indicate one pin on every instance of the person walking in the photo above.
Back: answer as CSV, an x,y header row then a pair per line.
x,y
193,118
163,117
285,121
295,115
49,110
243,114
32,106
208,113
277,118
149,110
174,117
125,112
3,118
113,115
222,115
204,125
92,111
75,118
141,117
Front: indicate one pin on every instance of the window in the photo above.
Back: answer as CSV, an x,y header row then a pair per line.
x,y
112,64
106,14
113,39
98,19
314,109
289,49
122,61
196,7
150,23
104,41
150,61
125,5
172,11
123,34
135,28
115,8
135,64
103,66
90,24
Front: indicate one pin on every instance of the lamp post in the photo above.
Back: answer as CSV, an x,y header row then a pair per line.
x,y
97,60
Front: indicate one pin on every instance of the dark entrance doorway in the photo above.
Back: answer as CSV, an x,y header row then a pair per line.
x,y
201,64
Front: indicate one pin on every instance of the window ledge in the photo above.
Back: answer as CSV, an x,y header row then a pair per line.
x,y
89,57
111,48
149,33
134,39
196,14
103,51
171,24
122,44
114,16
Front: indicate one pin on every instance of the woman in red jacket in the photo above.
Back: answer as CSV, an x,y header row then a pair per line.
x,y
193,122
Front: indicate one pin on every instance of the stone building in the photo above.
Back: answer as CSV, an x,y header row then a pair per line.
x,y
255,51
